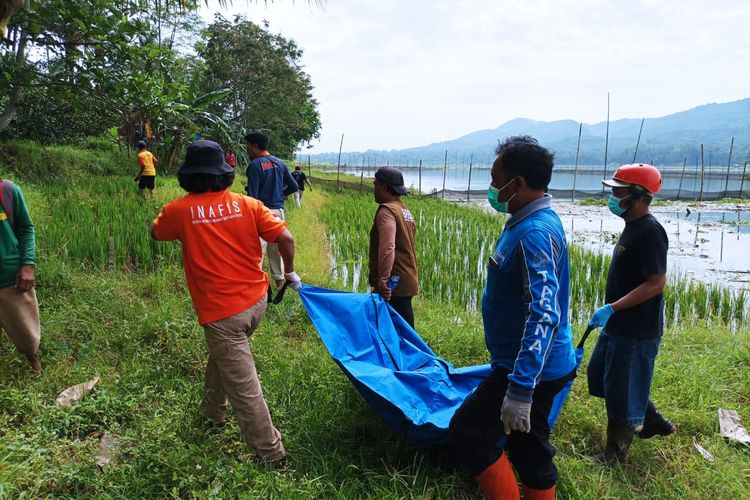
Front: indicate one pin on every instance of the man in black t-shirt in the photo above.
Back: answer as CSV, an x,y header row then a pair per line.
x,y
300,178
622,364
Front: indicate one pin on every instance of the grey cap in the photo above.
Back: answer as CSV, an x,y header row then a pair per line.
x,y
204,157
615,183
393,178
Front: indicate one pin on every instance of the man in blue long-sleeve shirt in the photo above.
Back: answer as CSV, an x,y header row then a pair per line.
x,y
269,180
526,330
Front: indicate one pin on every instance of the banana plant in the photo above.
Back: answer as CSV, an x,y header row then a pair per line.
x,y
189,113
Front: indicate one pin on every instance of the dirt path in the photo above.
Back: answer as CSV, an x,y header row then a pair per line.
x,y
311,259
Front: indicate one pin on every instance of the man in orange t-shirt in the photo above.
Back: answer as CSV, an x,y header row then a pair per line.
x,y
220,233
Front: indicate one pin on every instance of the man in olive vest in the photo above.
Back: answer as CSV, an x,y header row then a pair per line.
x,y
393,258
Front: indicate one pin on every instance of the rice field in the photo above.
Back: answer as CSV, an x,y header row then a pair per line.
x,y
453,245
454,242
78,227
452,248
113,303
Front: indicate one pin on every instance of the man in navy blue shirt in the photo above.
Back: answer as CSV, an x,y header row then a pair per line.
x,y
269,180
526,330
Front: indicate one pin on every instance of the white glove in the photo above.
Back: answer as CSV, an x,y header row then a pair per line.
x,y
294,280
516,415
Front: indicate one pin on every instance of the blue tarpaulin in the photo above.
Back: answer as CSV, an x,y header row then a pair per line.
x,y
415,391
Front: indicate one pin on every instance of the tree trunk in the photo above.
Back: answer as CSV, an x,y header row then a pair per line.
x,y
16,91
174,151
7,9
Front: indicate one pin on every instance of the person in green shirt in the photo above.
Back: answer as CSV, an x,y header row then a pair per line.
x,y
19,310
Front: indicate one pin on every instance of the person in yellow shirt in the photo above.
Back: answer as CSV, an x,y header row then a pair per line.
x,y
148,163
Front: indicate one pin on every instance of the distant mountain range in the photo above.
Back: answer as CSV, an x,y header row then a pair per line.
x,y
667,140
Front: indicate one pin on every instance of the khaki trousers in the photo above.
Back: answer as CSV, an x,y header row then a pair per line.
x,y
275,263
19,317
230,373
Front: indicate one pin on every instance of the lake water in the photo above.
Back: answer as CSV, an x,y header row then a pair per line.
x,y
587,180
710,243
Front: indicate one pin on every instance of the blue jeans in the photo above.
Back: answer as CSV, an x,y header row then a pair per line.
x,y
620,371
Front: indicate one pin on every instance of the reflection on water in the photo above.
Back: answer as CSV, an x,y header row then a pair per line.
x,y
708,244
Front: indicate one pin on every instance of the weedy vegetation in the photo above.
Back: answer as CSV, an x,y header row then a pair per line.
x,y
114,303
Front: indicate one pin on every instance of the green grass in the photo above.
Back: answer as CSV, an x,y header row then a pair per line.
x,y
131,322
602,202
737,201
593,202
30,161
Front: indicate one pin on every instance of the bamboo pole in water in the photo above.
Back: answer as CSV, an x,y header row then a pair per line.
x,y
703,171
575,172
639,139
742,182
420,177
679,190
338,164
445,168
468,190
606,146
696,176
729,162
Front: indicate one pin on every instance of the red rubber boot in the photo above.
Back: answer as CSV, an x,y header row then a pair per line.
x,y
498,481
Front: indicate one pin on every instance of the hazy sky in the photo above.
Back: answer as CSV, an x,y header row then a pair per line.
x,y
391,74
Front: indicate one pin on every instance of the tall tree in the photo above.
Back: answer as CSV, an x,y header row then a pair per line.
x,y
91,65
63,43
269,91
95,47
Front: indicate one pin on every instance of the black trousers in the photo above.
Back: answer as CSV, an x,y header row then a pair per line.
x,y
402,305
476,429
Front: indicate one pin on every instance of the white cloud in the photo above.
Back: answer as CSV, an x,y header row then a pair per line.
x,y
395,74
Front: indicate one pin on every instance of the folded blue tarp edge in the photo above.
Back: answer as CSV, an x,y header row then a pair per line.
x,y
415,391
